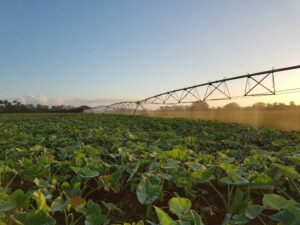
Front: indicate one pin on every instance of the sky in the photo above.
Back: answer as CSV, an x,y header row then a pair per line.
x,y
96,52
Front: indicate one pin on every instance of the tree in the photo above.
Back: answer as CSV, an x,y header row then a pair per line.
x,y
259,105
199,106
17,107
231,106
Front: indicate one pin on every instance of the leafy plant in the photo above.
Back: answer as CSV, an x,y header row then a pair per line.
x,y
147,192
77,169
181,207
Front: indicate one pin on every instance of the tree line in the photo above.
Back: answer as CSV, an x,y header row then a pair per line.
x,y
17,107
233,106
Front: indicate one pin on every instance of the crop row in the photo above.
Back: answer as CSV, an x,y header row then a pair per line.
x,y
106,169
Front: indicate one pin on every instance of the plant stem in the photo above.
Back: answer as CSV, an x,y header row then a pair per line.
x,y
92,191
208,204
248,192
286,194
10,182
229,194
66,217
228,199
77,220
261,220
220,195
149,207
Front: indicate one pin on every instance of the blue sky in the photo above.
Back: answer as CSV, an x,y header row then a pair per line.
x,y
88,50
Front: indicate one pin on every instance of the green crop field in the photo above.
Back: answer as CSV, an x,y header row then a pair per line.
x,y
73,169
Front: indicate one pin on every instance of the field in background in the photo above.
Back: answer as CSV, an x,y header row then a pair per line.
x,y
278,119
80,169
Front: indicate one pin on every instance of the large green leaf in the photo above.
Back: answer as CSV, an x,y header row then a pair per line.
x,y
287,171
288,216
85,172
234,179
111,207
39,217
59,204
180,154
278,202
183,222
204,175
6,206
196,166
164,219
21,199
180,206
253,211
93,215
239,202
240,219
295,159
171,165
71,189
197,220
228,168
148,192
263,181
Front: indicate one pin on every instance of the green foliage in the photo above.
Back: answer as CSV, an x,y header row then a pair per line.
x,y
288,216
238,202
263,181
164,219
93,214
181,207
147,192
177,153
40,201
108,169
278,202
204,175
85,172
21,199
287,171
234,179
6,206
59,204
39,217
253,211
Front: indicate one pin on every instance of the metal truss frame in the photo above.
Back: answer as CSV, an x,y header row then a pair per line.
x,y
192,93
270,90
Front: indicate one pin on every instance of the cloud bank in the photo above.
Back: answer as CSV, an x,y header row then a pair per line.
x,y
44,100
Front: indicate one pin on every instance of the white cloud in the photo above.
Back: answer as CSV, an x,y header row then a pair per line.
x,y
40,99
44,100
34,99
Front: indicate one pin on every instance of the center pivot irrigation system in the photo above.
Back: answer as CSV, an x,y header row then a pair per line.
x,y
256,85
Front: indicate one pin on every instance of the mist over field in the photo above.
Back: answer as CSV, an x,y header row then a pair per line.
x,y
286,119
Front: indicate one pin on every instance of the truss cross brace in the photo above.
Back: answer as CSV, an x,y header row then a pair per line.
x,y
249,89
